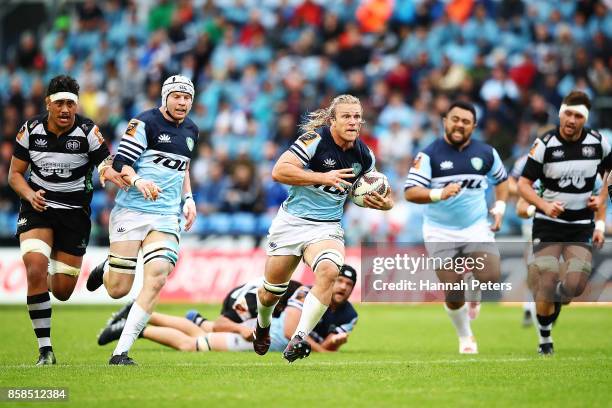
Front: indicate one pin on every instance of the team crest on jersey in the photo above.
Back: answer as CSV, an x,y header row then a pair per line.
x,y
131,127
190,143
476,163
557,154
308,138
73,145
446,165
356,168
588,151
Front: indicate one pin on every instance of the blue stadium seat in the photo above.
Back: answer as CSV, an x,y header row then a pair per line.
x,y
243,224
218,224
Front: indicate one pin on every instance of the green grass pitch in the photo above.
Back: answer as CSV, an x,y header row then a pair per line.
x,y
398,355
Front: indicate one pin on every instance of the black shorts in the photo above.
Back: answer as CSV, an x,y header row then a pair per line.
x,y
546,233
70,227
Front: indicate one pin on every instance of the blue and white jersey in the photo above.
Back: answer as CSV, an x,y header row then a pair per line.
x,y
159,151
440,164
318,152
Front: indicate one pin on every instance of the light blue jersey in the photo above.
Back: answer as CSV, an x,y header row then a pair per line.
x,y
440,164
159,151
318,152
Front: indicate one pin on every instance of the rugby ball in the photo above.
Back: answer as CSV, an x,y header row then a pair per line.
x,y
367,184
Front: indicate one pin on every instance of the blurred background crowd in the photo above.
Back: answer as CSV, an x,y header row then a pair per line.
x,y
260,65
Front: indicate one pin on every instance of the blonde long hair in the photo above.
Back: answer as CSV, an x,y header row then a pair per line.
x,y
322,117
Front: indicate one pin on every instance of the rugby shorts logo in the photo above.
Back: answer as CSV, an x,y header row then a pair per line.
x,y
272,244
120,229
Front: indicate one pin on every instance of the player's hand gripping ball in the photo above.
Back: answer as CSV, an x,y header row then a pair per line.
x,y
367,184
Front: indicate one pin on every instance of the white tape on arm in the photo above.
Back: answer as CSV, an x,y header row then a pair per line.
x,y
435,195
499,208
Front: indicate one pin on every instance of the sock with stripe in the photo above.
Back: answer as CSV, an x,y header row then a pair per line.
x,y
545,328
39,308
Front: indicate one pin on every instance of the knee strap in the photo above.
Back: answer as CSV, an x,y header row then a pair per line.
x,y
277,289
328,255
122,264
60,267
579,265
35,245
161,250
547,263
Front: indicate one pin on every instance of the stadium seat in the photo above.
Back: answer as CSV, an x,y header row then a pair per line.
x,y
243,224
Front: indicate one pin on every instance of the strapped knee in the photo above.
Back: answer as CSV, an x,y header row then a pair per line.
x,y
277,289
328,255
161,250
122,264
547,263
35,245
579,265
60,267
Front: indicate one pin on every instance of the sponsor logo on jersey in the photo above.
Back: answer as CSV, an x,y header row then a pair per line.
x,y
308,138
417,162
534,148
557,154
446,165
21,132
60,169
40,142
73,145
476,163
190,143
329,163
21,222
98,135
164,138
588,151
131,127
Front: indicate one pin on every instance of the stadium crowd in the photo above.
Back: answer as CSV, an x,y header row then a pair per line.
x,y
259,65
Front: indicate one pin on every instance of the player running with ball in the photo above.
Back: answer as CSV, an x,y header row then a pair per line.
x,y
451,176
154,153
320,167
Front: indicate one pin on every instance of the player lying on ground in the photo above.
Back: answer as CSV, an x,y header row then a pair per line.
x,y
566,160
182,334
319,168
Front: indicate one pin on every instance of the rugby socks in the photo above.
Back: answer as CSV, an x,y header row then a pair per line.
x,y
461,320
544,328
223,342
136,321
39,308
312,311
264,313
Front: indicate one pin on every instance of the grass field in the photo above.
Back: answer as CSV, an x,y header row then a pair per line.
x,y
397,356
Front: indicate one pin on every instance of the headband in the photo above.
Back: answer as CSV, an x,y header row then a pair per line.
x,y
581,109
64,95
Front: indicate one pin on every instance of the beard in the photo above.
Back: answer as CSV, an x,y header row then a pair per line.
x,y
453,140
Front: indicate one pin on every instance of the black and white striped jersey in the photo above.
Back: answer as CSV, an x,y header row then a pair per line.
x,y
568,171
61,165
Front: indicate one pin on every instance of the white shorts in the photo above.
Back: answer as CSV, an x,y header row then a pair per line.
x,y
130,225
290,235
444,242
